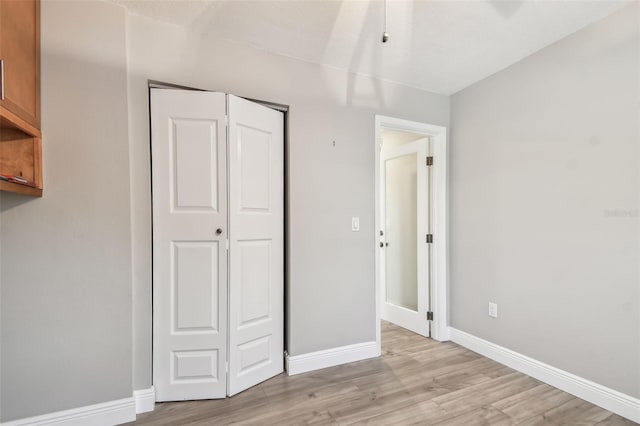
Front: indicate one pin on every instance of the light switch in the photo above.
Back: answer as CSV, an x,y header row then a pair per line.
x,y
355,224
493,310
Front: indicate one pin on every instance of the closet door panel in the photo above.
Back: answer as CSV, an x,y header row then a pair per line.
x,y
256,259
188,132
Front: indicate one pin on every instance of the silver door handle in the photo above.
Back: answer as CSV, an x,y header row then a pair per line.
x,y
2,79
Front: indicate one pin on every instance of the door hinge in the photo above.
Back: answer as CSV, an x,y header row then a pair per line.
x,y
429,238
226,367
430,161
429,316
227,243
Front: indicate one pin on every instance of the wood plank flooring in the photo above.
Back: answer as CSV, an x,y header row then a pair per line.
x,y
416,381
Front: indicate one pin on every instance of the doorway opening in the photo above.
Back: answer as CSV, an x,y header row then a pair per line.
x,y
411,222
405,258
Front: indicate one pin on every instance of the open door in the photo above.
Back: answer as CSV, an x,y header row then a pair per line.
x,y
256,263
405,260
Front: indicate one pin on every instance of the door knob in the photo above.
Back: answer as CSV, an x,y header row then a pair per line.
x,y
218,231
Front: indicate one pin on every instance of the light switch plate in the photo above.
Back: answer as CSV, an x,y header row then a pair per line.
x,y
493,310
355,224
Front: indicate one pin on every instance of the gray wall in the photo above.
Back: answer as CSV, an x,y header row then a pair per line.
x,y
543,190
331,269
66,257
544,204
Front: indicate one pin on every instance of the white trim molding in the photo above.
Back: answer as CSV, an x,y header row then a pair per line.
x,y
439,299
103,414
331,357
145,400
607,398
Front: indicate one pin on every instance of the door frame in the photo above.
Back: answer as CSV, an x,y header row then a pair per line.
x,y
439,263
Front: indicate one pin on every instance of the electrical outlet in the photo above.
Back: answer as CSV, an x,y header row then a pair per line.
x,y
355,224
493,310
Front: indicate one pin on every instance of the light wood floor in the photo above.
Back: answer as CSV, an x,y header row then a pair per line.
x,y
416,381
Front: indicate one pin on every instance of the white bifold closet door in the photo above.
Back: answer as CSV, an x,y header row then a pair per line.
x,y
217,183
256,266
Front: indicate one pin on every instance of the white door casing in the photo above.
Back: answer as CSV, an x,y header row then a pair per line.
x,y
439,226
189,256
256,259
414,319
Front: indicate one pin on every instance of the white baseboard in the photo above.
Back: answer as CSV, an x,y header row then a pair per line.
x,y
145,400
103,414
607,398
328,358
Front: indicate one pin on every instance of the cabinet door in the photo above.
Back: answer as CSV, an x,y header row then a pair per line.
x,y
20,55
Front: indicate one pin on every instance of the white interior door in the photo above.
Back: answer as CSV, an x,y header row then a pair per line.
x,y
188,133
405,257
256,263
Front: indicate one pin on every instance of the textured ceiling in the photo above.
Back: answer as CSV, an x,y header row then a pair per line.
x,y
440,46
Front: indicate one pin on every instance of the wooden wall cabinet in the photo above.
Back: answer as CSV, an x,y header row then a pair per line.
x,y
20,136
